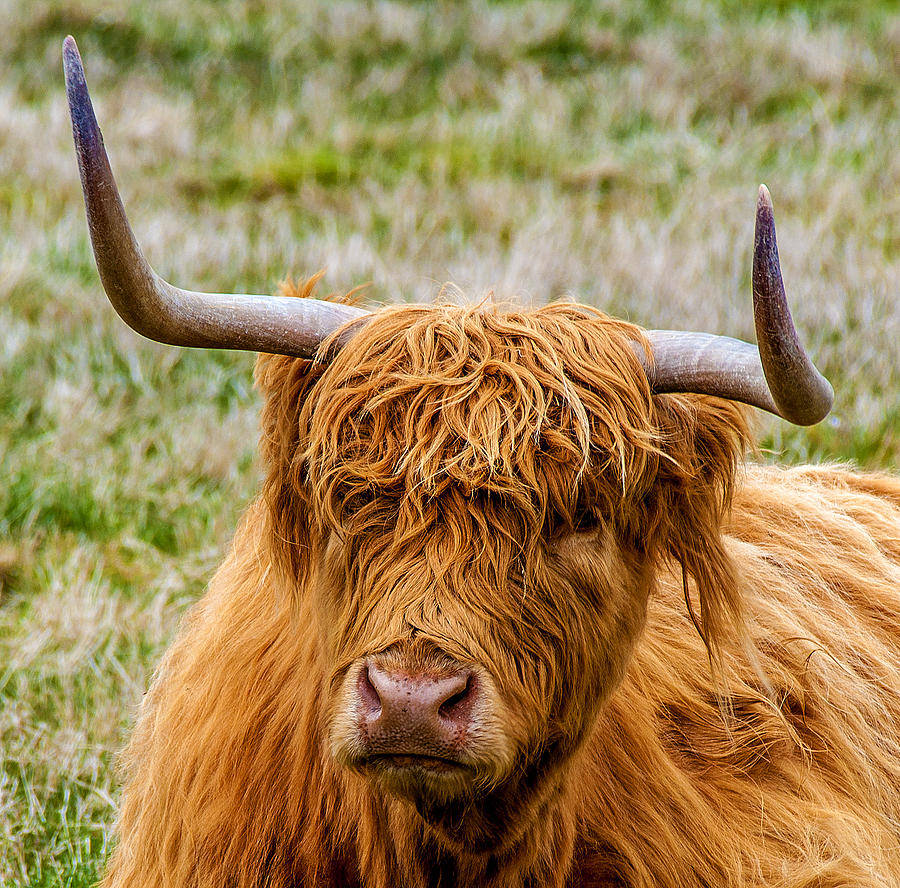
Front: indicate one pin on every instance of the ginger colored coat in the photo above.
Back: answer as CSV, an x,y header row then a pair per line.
x,y
691,663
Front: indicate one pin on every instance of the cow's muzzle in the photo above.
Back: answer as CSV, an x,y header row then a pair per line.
x,y
415,719
422,727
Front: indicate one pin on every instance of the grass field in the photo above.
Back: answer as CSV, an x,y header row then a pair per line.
x,y
610,151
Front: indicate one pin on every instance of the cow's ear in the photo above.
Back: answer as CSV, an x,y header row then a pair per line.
x,y
703,443
285,384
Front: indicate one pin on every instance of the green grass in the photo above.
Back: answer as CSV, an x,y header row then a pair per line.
x,y
610,151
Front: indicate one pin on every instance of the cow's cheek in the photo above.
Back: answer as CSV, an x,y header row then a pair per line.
x,y
326,591
606,593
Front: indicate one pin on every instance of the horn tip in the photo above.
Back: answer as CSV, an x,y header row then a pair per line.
x,y
84,122
765,222
71,56
73,69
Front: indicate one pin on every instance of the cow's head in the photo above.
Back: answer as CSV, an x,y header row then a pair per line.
x,y
475,502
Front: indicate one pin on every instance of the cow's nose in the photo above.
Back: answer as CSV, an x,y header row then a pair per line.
x,y
415,713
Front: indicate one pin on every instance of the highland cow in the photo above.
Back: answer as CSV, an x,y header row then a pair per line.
x,y
513,610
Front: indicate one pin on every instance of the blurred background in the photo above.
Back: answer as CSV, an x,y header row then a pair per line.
x,y
609,151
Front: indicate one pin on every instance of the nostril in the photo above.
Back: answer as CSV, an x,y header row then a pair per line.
x,y
449,703
458,704
369,697
447,707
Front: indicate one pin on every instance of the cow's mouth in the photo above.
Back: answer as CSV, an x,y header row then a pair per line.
x,y
421,778
415,762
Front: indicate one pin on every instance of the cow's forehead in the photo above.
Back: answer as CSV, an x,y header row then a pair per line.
x,y
516,405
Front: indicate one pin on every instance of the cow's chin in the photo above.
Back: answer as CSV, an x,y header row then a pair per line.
x,y
475,808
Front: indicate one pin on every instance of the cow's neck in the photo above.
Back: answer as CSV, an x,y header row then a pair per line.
x,y
532,845
512,839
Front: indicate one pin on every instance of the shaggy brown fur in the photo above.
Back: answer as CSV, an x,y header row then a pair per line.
x,y
502,489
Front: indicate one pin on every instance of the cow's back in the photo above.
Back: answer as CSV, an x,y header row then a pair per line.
x,y
792,777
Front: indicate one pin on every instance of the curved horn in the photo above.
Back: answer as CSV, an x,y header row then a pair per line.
x,y
778,376
153,307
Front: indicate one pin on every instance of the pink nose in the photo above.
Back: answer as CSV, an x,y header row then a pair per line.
x,y
415,713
